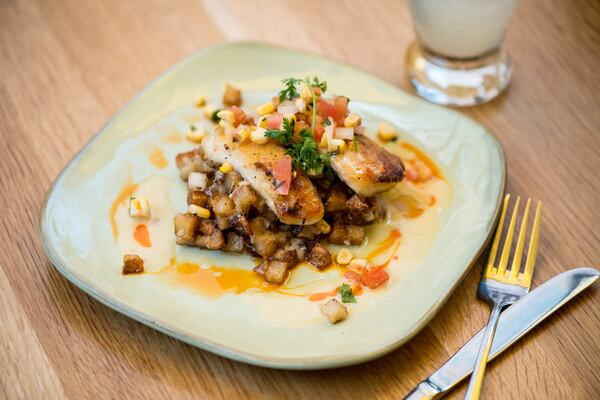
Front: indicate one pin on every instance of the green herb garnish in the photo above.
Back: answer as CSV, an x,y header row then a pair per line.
x,y
289,92
193,128
346,294
306,156
214,117
316,83
285,135
355,143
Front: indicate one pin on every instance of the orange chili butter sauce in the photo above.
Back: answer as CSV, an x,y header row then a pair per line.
x,y
423,157
157,158
125,193
173,137
142,235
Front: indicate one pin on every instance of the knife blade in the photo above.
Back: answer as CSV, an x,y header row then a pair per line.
x,y
515,322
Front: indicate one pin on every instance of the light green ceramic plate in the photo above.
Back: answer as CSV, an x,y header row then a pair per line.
x,y
78,239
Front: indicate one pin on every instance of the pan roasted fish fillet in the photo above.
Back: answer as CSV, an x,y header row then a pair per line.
x,y
301,206
369,171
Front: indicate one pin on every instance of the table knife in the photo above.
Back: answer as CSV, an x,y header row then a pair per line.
x,y
515,322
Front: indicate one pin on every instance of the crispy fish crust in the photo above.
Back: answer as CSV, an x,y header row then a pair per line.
x,y
301,206
369,171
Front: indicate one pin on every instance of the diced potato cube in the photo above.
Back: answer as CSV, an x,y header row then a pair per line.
x,y
139,207
319,257
243,197
275,272
197,181
132,264
232,96
386,132
185,226
344,257
222,205
334,311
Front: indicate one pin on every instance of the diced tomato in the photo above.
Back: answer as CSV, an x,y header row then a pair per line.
x,y
411,175
329,110
341,104
282,172
274,121
239,116
318,133
353,276
375,278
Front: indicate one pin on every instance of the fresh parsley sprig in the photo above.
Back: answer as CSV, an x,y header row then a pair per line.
x,y
285,135
289,92
306,156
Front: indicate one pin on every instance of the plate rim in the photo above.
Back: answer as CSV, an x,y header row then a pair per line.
x,y
290,363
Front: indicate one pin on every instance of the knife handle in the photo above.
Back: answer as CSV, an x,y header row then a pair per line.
x,y
424,391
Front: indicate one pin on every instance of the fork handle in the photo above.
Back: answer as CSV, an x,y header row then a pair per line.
x,y
476,381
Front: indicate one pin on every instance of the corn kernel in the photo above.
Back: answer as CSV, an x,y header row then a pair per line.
x,y
386,132
266,108
139,207
323,226
338,145
290,117
200,101
195,134
243,133
344,257
358,265
306,94
258,135
199,211
226,115
323,142
300,105
352,121
208,111
226,168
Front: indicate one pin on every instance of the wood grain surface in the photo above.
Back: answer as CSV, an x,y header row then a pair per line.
x,y
66,66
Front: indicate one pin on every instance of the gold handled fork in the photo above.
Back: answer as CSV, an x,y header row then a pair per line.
x,y
501,287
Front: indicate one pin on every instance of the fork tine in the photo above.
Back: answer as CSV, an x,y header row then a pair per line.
x,y
494,249
508,240
516,263
533,246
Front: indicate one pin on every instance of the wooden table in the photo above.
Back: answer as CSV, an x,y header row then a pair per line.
x,y
66,66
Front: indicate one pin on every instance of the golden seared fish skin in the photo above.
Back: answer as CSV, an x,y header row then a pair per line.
x,y
301,206
370,170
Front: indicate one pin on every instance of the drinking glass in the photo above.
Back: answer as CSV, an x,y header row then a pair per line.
x,y
457,58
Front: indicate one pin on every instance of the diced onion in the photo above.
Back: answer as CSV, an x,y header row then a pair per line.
x,y
287,108
329,132
344,133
